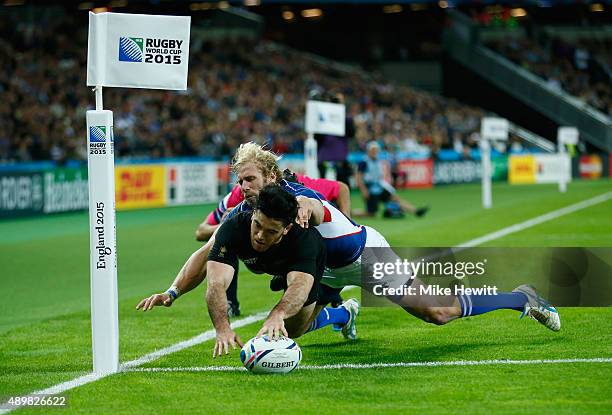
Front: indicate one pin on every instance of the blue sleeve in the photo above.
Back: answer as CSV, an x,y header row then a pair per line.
x,y
362,166
297,189
240,207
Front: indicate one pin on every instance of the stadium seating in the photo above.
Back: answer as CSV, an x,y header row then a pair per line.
x,y
583,69
238,90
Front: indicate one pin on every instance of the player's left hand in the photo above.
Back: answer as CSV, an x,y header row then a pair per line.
x,y
304,211
224,340
274,327
155,300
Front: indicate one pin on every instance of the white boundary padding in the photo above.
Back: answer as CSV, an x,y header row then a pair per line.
x,y
103,257
491,128
565,135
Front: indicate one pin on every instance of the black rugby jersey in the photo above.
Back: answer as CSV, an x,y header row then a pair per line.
x,y
301,250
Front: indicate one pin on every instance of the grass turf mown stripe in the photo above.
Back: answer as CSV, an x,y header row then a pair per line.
x,y
208,335
92,377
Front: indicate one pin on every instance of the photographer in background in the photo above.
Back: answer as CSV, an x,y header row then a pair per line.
x,y
373,180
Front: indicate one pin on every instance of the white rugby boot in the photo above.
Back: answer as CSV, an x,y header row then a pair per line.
x,y
538,308
349,330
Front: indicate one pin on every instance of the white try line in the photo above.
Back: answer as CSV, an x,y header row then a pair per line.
x,y
210,334
382,365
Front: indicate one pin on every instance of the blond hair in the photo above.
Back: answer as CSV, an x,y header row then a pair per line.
x,y
265,160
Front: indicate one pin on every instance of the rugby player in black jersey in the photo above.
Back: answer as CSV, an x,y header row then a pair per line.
x,y
267,240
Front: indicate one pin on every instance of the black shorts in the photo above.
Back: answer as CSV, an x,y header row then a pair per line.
x,y
327,294
279,283
374,200
314,293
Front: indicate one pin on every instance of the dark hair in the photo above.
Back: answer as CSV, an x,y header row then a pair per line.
x,y
276,203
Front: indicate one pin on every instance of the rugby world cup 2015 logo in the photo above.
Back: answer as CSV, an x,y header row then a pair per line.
x,y
97,134
130,49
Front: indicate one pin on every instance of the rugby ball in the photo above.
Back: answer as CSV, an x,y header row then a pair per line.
x,y
263,355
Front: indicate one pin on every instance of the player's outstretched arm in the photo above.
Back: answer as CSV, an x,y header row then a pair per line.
x,y
189,277
344,199
205,231
219,278
299,285
310,212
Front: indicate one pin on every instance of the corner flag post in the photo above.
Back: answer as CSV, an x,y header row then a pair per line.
x,y
103,259
490,129
565,135
311,168
485,159
130,51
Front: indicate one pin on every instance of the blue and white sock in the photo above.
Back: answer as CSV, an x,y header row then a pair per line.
x,y
330,315
473,305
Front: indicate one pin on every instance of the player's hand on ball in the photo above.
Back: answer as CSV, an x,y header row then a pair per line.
x,y
224,340
274,327
155,300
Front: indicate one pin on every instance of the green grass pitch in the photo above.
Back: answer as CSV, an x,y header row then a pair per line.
x,y
45,333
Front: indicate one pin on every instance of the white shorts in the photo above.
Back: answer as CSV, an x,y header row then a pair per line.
x,y
351,274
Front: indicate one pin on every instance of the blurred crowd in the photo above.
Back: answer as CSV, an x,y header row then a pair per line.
x,y
238,90
582,69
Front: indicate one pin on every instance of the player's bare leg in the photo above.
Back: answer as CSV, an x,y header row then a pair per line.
x,y
298,324
443,309
344,316
431,308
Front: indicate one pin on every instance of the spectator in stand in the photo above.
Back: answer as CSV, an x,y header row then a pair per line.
x,y
580,69
238,90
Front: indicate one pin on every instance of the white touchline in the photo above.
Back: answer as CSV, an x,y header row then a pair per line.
x,y
537,220
382,365
210,334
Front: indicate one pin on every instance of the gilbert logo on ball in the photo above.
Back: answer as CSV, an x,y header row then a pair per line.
x,y
262,355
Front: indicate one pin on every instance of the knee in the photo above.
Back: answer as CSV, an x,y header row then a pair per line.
x,y
297,330
438,315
